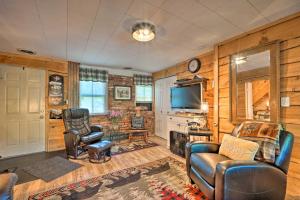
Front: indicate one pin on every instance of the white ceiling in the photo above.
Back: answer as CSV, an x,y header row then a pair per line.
x,y
98,32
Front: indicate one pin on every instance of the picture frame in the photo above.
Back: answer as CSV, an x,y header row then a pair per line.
x,y
122,92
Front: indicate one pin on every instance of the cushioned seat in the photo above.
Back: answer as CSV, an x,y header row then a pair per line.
x,y
205,164
91,137
100,146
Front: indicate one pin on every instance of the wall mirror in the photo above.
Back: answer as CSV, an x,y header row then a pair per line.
x,y
255,84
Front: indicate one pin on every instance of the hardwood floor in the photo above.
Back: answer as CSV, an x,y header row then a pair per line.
x,y
117,162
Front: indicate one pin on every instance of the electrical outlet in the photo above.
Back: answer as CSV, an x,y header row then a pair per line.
x,y
285,102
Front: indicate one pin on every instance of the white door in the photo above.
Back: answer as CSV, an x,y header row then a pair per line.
x,y
158,108
162,105
22,105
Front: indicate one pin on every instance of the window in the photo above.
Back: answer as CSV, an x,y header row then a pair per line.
x,y
93,96
143,96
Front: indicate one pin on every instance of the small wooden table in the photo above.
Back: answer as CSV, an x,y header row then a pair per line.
x,y
138,133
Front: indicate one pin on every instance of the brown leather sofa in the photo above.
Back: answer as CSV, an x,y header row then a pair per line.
x,y
219,177
78,132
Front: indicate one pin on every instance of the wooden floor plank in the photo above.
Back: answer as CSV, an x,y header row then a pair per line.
x,y
118,162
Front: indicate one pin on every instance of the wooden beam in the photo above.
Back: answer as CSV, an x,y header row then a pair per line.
x,y
216,94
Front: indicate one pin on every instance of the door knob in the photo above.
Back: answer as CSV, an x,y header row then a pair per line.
x,y
41,116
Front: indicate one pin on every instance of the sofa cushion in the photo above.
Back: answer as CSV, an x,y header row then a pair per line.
x,y
92,137
205,164
238,149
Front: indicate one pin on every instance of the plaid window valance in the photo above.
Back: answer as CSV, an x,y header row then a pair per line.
x,y
142,79
91,74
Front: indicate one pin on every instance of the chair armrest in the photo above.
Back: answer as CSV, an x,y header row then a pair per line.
x,y
96,128
72,137
249,180
198,147
201,147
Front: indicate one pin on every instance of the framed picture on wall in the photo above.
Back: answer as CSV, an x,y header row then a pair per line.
x,y
122,92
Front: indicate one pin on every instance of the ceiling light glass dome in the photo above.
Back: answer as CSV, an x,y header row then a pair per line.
x,y
143,32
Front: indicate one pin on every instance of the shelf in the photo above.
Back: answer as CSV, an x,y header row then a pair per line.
x,y
191,82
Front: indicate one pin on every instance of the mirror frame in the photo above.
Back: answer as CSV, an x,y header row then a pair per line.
x,y
274,101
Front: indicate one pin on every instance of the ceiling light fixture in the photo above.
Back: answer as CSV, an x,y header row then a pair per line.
x,y
143,32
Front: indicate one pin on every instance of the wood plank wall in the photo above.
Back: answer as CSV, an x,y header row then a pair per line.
x,y
288,33
181,71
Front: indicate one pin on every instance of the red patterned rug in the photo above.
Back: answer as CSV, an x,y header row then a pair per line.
x,y
162,179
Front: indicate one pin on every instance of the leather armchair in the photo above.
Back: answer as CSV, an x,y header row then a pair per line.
x,y
219,177
78,132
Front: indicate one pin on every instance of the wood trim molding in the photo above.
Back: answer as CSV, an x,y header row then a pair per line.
x,y
51,64
216,94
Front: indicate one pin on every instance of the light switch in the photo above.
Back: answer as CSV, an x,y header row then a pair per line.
x,y
285,101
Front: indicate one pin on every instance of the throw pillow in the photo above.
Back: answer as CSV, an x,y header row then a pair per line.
x,y
266,134
238,149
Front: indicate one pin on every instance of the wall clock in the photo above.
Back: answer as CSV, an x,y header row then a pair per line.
x,y
194,65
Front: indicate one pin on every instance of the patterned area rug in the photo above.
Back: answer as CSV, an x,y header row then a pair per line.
x,y
162,179
125,147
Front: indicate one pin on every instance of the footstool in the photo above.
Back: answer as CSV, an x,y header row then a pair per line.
x,y
99,150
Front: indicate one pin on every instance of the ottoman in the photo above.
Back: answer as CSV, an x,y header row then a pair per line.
x,y
99,150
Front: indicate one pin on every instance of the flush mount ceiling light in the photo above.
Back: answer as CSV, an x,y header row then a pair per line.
x,y
143,32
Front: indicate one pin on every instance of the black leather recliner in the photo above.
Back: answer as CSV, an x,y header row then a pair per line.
x,y
219,177
78,132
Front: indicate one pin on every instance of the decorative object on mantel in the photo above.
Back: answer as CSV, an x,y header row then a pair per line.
x,y
56,90
115,116
194,65
122,92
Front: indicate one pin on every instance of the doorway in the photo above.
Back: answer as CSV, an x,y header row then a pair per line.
x,y
22,110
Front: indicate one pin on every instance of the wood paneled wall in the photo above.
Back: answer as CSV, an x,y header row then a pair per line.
x,y
287,31
216,67
180,70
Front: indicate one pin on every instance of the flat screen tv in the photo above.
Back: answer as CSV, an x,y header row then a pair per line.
x,y
187,97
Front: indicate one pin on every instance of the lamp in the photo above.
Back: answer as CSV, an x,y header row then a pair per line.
x,y
204,110
204,107
143,32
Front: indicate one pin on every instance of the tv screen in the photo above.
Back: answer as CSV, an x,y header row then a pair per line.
x,y
187,97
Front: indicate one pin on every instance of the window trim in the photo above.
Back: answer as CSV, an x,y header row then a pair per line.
x,y
143,101
105,100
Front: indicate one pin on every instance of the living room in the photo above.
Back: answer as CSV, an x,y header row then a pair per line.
x,y
144,99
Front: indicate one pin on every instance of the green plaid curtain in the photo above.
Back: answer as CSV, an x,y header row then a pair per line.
x,y
91,74
142,79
